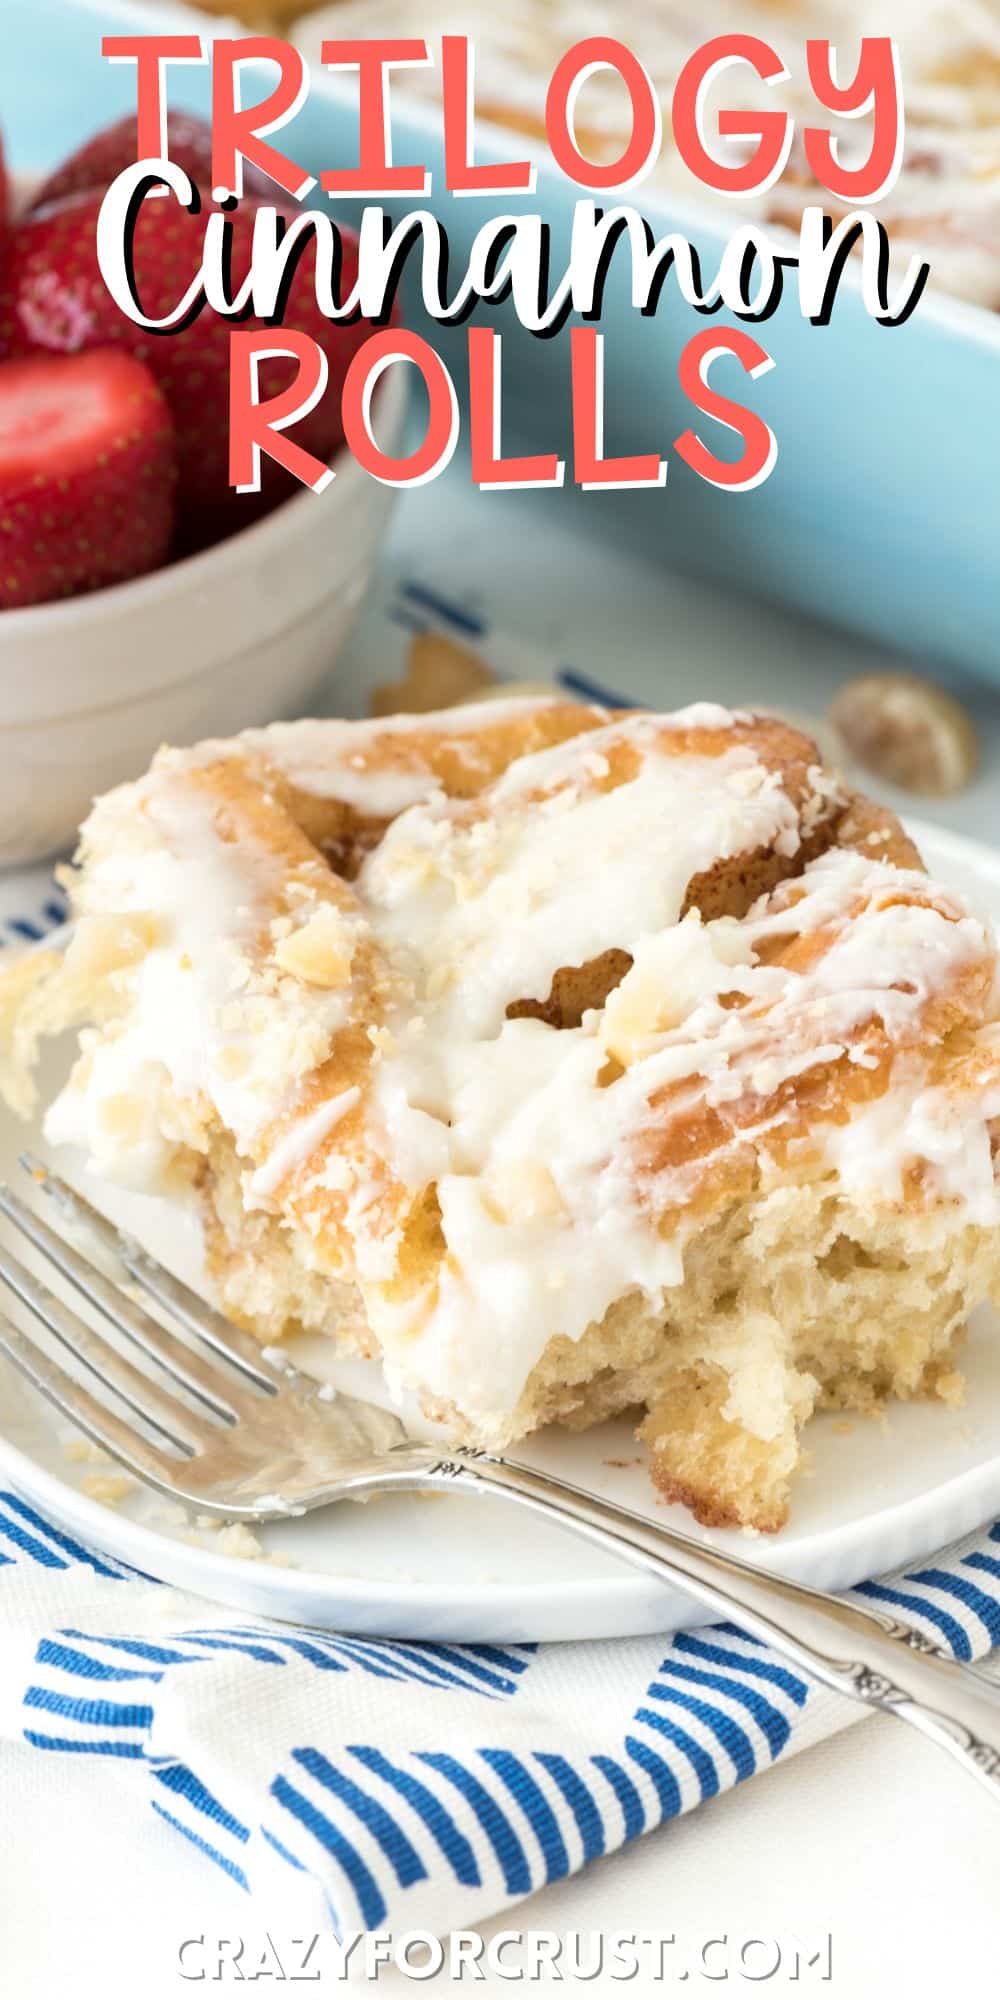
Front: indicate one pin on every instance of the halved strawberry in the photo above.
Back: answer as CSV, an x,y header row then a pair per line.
x,y
93,167
52,296
87,474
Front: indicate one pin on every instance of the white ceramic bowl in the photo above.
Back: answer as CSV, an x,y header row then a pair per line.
x,y
241,634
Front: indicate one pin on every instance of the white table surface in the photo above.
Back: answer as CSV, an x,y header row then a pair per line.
x,y
873,1837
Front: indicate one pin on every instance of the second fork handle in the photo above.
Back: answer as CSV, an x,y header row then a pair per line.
x,y
862,1654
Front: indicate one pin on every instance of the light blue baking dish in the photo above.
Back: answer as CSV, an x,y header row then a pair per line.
x,y
883,512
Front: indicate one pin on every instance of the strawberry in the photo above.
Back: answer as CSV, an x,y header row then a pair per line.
x,y
94,166
87,474
4,195
52,296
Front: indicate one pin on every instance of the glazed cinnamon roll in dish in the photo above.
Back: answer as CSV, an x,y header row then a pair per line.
x,y
570,1062
945,205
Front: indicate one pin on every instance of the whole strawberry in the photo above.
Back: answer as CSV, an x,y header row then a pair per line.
x,y
95,165
87,475
53,297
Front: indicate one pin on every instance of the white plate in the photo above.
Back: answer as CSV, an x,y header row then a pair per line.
x,y
874,1495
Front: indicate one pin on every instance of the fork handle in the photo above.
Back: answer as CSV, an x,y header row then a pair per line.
x,y
871,1658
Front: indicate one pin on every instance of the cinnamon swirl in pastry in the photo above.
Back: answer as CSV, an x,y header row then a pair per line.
x,y
570,1062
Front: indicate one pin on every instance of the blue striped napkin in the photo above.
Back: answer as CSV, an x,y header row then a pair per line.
x,y
379,1784
375,1784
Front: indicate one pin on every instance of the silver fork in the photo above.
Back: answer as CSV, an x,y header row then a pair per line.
x,y
253,1441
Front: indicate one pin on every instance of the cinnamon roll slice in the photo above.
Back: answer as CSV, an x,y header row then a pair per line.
x,y
569,1062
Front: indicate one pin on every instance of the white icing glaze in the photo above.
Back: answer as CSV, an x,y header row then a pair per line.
x,y
536,1251
332,760
496,906
193,1023
298,1145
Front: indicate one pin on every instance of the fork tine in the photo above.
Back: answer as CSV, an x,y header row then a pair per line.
x,y
84,1410
155,1406
228,1341
131,1319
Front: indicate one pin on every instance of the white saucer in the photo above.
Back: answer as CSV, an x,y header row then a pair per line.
x,y
875,1494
